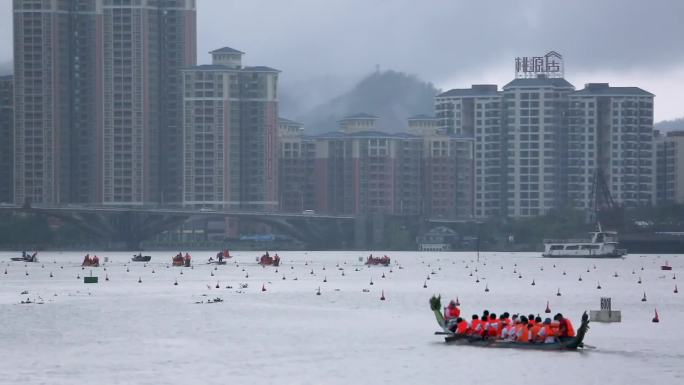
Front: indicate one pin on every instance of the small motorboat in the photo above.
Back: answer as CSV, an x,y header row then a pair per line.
x,y
666,266
141,258
25,257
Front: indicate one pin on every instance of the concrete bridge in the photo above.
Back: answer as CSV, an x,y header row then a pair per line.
x,y
131,225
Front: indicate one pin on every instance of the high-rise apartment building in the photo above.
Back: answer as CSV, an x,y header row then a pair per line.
x,y
230,126
670,168
297,168
42,72
534,121
6,138
611,129
476,113
98,98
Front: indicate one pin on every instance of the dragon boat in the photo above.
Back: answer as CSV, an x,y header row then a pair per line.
x,y
572,343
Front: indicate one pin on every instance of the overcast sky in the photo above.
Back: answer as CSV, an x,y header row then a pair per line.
x,y
450,43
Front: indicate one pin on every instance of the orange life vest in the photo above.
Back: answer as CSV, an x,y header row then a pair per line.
x,y
523,334
462,327
494,328
535,331
473,325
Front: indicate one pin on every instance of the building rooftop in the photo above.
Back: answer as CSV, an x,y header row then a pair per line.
x,y
226,50
678,133
421,117
364,134
605,89
540,81
288,122
361,115
474,90
221,67
260,69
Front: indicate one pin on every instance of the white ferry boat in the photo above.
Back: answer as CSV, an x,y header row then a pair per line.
x,y
602,244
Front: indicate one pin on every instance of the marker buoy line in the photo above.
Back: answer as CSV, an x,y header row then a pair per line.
x,y
371,281
217,285
486,288
106,277
211,273
477,279
325,279
139,279
639,280
263,287
318,292
643,299
425,285
564,272
675,290
428,277
548,309
533,283
598,286
615,275
382,296
656,319
50,274
175,283
580,278
558,294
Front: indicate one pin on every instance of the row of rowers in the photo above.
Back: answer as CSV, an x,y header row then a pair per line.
x,y
509,328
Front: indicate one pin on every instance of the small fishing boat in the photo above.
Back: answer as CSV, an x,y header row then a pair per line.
x,y
25,257
141,258
666,266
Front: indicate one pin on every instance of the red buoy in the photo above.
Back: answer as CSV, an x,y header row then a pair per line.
x,y
548,309
656,318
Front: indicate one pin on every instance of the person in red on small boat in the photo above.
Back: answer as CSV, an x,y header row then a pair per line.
x,y
461,326
493,327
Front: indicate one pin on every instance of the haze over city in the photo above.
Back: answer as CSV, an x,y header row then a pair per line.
x,y
325,47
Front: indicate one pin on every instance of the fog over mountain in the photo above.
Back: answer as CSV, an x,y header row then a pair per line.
x,y
390,95
670,125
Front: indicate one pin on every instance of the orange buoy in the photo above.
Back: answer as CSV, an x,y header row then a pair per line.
x,y
656,318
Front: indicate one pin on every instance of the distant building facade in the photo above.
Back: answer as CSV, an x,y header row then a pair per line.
x,y
476,113
97,98
230,115
539,145
6,138
297,168
670,168
611,129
